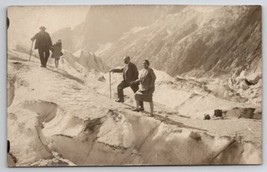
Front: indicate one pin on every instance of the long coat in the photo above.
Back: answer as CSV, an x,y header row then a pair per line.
x,y
147,85
43,40
147,80
56,52
130,72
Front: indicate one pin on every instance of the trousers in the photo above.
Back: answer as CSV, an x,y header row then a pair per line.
x,y
44,55
123,85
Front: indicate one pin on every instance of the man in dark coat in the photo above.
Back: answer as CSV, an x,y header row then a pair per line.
x,y
43,43
130,73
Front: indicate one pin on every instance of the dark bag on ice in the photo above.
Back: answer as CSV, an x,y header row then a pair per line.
x,y
218,113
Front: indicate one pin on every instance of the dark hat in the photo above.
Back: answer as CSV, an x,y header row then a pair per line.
x,y
147,62
42,28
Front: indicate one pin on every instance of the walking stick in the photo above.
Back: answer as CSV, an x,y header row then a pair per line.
x,y
63,62
31,52
110,85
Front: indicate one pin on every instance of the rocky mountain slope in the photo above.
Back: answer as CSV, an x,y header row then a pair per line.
x,y
197,41
107,23
86,61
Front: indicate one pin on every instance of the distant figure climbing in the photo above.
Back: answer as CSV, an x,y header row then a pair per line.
x,y
147,87
57,52
130,73
43,44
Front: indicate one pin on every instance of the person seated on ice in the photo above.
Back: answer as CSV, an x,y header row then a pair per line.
x,y
57,51
147,87
130,73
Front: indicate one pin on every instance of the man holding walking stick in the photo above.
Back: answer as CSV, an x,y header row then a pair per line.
x,y
43,43
130,73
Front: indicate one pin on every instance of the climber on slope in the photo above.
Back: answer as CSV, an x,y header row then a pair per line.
x,y
43,44
57,52
130,73
147,87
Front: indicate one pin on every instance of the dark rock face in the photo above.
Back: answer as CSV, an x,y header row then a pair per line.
x,y
196,43
91,61
88,60
193,40
241,113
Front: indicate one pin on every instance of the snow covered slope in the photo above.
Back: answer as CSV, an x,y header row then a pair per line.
x,y
64,117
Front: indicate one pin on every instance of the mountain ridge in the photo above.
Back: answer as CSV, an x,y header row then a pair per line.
x,y
210,47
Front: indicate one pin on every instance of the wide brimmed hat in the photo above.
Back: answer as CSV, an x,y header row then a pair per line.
x,y
42,28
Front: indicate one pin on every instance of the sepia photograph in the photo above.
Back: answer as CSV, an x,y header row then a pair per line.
x,y
134,85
